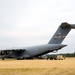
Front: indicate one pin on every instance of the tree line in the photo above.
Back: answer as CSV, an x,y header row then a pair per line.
x,y
69,54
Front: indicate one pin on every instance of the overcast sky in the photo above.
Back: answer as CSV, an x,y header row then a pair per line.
x,y
33,22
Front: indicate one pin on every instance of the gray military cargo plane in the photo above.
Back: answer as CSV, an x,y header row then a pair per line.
x,y
53,45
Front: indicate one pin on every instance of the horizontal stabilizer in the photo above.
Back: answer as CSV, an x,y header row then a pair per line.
x,y
65,24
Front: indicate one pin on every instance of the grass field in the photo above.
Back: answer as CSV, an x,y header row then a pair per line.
x,y
37,67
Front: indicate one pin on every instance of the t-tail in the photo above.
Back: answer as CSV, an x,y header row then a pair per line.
x,y
61,33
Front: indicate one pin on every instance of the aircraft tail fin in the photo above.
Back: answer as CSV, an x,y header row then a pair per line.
x,y
61,33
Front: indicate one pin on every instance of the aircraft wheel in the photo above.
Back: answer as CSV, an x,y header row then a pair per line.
x,y
2,58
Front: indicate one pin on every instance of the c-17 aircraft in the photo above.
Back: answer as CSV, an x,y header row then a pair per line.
x,y
53,45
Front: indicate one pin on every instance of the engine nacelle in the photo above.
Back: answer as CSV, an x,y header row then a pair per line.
x,y
4,52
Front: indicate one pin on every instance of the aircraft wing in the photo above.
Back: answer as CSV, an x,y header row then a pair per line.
x,y
15,52
13,49
7,51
